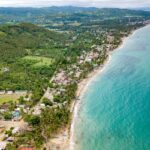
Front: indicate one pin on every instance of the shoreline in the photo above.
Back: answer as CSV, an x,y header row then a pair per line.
x,y
64,140
83,85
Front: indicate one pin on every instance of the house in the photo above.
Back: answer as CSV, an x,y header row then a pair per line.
x,y
21,106
10,139
42,105
37,110
15,130
2,145
9,92
62,90
81,61
88,60
77,75
2,92
16,115
26,110
2,110
27,99
22,92
61,78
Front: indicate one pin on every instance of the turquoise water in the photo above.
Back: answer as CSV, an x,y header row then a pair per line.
x,y
115,109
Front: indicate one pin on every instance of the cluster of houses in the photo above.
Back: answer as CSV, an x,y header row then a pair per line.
x,y
11,117
49,95
15,114
9,139
7,134
63,77
144,22
66,76
38,109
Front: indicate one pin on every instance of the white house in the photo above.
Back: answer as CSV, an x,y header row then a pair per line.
x,y
2,92
9,92
2,145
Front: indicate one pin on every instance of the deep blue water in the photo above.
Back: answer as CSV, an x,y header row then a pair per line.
x,y
115,109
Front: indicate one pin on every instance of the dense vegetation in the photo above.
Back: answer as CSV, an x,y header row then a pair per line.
x,y
29,56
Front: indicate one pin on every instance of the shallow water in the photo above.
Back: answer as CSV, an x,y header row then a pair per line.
x,y
115,109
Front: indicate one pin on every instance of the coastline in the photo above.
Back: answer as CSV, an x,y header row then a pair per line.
x,y
65,139
83,85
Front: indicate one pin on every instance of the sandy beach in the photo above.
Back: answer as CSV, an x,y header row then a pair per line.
x,y
81,89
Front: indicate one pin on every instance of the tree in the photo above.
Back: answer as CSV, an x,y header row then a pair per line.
x,y
7,116
33,120
47,102
21,100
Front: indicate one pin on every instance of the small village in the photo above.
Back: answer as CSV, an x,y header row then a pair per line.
x,y
12,113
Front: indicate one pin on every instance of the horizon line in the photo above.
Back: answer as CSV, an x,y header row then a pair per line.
x,y
73,6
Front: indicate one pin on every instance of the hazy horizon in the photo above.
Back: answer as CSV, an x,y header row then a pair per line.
x,y
77,3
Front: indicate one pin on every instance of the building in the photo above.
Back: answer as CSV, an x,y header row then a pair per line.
x,y
2,92
16,115
16,130
21,92
10,139
9,92
2,145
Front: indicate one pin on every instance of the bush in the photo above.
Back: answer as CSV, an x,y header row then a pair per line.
x,y
33,120
47,102
7,116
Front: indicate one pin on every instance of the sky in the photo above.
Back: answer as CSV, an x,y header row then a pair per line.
x,y
84,3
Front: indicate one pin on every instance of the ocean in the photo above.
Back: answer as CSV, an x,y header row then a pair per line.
x,y
114,113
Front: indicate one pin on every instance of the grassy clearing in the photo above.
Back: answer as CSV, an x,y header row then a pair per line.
x,y
7,98
37,61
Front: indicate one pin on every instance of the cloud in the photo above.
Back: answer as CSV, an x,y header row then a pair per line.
x,y
85,3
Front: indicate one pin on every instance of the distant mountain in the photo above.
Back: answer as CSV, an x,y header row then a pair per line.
x,y
64,14
143,8
37,11
28,11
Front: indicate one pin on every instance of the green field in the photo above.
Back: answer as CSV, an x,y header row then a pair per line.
x,y
7,98
37,61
